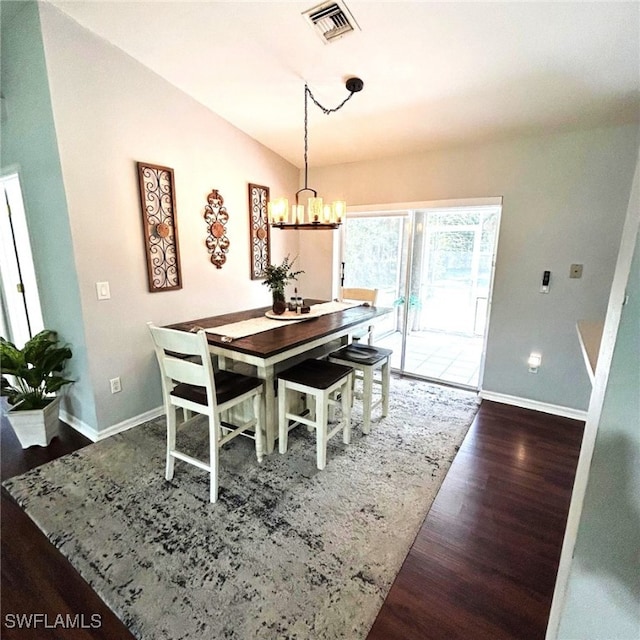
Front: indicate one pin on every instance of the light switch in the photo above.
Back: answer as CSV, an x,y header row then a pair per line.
x,y
102,289
575,271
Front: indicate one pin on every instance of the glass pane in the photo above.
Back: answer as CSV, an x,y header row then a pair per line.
x,y
447,281
374,255
450,278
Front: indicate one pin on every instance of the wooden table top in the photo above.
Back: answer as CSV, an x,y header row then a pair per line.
x,y
289,335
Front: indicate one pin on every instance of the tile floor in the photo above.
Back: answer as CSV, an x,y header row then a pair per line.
x,y
436,355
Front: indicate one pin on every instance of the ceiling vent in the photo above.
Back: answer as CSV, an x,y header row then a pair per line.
x,y
331,20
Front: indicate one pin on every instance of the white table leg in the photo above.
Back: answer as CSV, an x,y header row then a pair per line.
x,y
267,374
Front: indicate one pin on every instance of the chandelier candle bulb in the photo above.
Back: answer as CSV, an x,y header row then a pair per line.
x,y
281,209
339,210
315,209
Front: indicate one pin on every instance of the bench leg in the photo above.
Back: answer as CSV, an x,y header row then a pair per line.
x,y
386,378
346,409
322,427
283,427
367,400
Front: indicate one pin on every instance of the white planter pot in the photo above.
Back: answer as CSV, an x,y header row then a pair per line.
x,y
36,426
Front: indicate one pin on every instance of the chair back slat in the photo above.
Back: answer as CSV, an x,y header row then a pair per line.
x,y
180,370
185,371
364,295
182,342
354,293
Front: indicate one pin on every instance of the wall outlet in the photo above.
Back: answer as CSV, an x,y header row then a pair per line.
x,y
116,385
575,271
534,362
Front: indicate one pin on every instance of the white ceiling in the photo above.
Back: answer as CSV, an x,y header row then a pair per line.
x,y
435,73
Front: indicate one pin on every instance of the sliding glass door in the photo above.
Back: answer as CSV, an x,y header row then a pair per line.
x,y
434,266
374,257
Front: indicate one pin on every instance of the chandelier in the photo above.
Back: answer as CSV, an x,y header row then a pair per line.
x,y
318,215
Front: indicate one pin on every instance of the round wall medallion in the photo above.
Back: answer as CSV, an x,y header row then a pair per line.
x,y
163,230
217,230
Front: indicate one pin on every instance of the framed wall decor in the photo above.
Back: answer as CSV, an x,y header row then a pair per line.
x,y
259,239
160,227
216,216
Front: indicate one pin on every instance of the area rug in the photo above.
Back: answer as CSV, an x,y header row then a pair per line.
x,y
287,551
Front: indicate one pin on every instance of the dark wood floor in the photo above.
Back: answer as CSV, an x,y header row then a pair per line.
x,y
482,566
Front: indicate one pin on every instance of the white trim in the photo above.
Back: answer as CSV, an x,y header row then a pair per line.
x,y
78,425
22,310
374,212
536,405
425,204
95,436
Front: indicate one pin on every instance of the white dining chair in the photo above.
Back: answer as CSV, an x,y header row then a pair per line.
x,y
190,383
366,360
369,296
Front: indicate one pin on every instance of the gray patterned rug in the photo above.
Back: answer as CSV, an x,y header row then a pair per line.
x,y
287,551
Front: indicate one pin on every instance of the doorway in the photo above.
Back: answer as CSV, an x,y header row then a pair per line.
x,y
434,267
20,311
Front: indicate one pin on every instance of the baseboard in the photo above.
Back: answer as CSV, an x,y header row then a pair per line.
x,y
535,405
78,425
94,435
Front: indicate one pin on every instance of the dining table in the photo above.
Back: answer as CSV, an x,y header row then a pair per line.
x,y
267,342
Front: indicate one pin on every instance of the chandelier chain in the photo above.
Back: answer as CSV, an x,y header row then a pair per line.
x,y
306,134
326,111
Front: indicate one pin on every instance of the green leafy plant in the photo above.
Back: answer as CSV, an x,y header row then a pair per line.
x,y
36,369
277,277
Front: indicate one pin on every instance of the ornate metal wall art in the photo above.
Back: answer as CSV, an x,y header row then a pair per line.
x,y
259,240
160,227
217,217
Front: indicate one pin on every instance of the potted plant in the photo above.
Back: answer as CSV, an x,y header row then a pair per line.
x,y
276,278
36,374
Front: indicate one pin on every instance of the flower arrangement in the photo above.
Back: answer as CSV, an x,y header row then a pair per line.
x,y
277,277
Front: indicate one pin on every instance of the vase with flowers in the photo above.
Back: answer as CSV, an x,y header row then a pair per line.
x,y
276,278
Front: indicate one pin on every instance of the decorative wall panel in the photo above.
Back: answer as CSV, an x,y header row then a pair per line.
x,y
216,216
259,239
159,223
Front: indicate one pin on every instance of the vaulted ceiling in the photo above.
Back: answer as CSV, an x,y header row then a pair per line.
x,y
435,73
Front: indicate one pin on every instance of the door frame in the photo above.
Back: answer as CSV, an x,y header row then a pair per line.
x,y
19,296
406,209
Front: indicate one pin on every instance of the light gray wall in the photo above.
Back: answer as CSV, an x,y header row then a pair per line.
x,y
29,145
603,589
109,112
565,198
